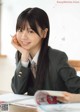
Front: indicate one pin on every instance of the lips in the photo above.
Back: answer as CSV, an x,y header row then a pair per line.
x,y
26,43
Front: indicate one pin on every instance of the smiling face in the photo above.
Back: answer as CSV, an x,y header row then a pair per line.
x,y
29,39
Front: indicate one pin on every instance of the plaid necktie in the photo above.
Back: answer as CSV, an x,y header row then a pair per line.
x,y
34,68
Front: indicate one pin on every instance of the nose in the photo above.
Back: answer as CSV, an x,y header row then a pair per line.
x,y
24,35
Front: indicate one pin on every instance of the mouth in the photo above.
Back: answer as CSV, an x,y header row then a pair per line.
x,y
25,43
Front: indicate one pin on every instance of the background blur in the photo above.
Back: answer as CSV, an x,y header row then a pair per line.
x,y
64,18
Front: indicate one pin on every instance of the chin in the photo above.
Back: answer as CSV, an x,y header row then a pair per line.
x,y
27,48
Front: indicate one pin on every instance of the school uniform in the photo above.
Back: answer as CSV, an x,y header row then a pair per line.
x,y
60,76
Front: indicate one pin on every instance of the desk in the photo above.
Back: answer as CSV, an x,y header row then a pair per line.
x,y
75,107
65,108
13,108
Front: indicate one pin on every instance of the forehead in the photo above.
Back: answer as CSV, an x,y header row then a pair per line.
x,y
27,25
23,25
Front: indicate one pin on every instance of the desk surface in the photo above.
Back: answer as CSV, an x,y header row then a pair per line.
x,y
67,108
13,108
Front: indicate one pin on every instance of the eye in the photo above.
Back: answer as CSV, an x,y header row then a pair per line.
x,y
20,30
30,31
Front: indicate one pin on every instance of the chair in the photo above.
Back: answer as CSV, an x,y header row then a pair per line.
x,y
75,64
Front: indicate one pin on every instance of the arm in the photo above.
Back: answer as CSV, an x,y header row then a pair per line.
x,y
69,98
68,75
21,76
20,79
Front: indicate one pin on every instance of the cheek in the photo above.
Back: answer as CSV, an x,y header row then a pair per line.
x,y
38,40
18,38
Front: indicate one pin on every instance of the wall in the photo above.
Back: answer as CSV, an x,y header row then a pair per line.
x,y
64,35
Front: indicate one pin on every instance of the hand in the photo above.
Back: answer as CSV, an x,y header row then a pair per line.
x,y
25,54
69,97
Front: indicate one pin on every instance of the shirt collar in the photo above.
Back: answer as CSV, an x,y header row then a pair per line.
x,y
35,58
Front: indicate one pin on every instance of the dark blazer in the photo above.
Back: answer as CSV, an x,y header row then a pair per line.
x,y
60,76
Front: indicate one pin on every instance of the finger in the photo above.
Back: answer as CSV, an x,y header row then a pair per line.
x,y
15,41
62,99
66,94
15,44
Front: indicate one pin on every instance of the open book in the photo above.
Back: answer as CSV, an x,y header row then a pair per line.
x,y
47,102
47,97
8,98
41,97
43,100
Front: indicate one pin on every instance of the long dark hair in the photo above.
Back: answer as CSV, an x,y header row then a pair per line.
x,y
36,16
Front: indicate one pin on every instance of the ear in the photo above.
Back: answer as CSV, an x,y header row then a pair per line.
x,y
45,32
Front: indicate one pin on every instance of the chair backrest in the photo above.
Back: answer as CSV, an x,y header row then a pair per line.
x,y
75,64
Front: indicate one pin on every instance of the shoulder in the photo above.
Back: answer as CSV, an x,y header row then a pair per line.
x,y
56,54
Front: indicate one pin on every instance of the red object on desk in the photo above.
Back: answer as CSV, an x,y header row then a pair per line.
x,y
52,99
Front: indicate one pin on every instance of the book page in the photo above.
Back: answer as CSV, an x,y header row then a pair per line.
x,y
30,102
69,107
11,97
52,93
47,97
47,102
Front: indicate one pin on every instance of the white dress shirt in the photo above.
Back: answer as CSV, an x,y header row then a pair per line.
x,y
35,59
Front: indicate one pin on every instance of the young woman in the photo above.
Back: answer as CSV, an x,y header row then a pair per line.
x,y
31,41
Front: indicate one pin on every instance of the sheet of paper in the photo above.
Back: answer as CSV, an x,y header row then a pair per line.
x,y
26,102
70,107
11,97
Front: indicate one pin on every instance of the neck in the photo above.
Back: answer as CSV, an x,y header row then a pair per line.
x,y
33,52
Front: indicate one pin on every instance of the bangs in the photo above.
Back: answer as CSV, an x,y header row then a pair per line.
x,y
21,23
23,19
33,23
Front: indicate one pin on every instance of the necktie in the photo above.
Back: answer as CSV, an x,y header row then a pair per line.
x,y
34,68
